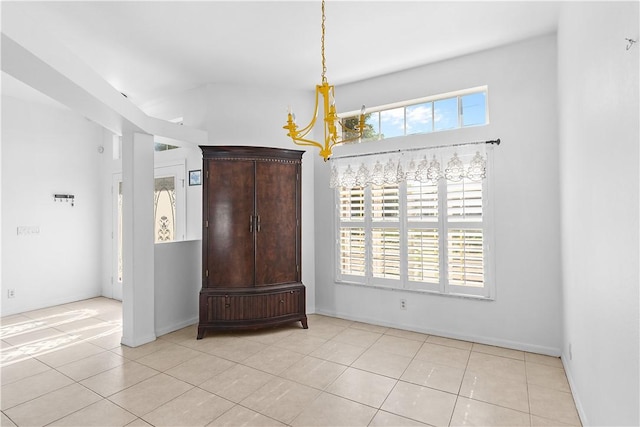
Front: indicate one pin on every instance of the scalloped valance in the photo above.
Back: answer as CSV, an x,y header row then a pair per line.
x,y
453,163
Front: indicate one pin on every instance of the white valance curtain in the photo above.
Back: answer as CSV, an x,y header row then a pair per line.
x,y
453,163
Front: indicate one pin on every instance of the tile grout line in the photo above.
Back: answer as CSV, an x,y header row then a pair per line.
x,y
455,404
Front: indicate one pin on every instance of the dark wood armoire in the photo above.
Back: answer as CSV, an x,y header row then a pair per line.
x,y
251,253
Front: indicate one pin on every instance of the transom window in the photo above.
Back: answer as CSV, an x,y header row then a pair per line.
x,y
416,225
425,115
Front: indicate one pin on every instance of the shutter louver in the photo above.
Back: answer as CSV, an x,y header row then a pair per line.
x,y
386,253
422,201
385,234
465,257
385,203
352,204
423,255
352,251
464,201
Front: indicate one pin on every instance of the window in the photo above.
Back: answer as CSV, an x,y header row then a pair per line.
x,y
157,146
164,209
433,114
425,228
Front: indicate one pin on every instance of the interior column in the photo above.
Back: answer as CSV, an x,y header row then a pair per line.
x,y
138,318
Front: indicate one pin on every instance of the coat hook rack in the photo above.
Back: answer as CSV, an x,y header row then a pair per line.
x,y
631,42
64,197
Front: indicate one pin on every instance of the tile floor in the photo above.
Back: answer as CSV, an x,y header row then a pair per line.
x,y
64,366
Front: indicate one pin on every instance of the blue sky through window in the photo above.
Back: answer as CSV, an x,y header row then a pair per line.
x,y
474,109
392,122
419,118
445,115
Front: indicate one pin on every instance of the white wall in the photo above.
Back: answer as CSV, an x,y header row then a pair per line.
x,y
48,150
526,313
599,122
178,280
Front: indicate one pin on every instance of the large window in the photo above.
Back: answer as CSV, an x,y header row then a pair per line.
x,y
424,115
427,231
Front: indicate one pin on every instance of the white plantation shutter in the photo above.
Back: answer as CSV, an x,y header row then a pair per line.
x,y
464,201
423,237
385,231
415,220
352,251
386,253
385,203
352,204
352,233
465,257
423,255
465,251
422,201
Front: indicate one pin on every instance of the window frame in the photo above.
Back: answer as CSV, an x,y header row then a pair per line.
x,y
443,225
458,95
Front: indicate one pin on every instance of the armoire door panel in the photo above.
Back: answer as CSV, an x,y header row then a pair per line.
x,y
230,191
276,208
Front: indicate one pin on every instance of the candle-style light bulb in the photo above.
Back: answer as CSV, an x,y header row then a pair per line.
x,y
362,110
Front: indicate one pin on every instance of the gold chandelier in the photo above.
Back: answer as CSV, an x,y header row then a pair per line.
x,y
331,119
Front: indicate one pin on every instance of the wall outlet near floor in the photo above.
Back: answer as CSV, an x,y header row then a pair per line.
x,y
11,293
403,304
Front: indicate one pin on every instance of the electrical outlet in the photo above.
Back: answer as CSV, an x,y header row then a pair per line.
x,y
403,304
11,293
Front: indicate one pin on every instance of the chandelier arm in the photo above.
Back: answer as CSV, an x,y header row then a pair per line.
x,y
307,143
305,130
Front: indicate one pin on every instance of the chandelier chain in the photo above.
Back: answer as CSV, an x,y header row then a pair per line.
x,y
324,66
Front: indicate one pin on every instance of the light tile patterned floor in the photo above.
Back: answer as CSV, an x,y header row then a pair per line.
x,y
64,366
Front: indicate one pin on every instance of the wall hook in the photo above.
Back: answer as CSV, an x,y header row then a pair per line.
x,y
65,197
631,42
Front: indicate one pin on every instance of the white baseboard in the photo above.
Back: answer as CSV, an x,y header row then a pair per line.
x,y
172,328
130,342
515,345
37,305
574,392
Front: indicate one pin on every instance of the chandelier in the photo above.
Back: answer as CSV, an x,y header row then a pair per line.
x,y
332,124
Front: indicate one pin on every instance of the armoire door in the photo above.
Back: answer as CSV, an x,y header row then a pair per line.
x,y
230,232
278,216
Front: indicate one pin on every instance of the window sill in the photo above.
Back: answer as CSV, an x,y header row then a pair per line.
x,y
415,291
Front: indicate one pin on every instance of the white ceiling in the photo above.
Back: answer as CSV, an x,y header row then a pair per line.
x,y
153,49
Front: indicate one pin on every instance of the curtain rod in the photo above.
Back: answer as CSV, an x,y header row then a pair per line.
x,y
493,141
